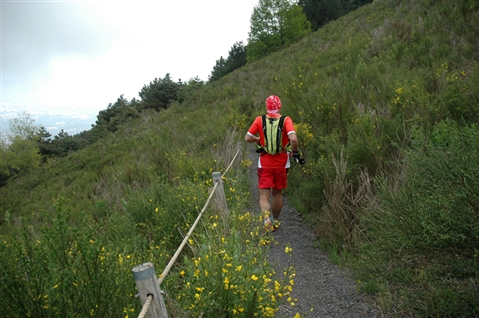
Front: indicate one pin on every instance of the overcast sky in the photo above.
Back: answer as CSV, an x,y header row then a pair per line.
x,y
76,57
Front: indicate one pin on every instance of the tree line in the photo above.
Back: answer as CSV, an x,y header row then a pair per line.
x,y
28,145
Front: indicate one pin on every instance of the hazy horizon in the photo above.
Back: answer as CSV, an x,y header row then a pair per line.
x,y
53,122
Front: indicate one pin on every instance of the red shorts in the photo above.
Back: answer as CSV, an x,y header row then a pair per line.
x,y
272,178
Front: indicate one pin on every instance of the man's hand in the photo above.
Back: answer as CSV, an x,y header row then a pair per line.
x,y
297,157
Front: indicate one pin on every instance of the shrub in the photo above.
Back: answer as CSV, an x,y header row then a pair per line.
x,y
63,271
423,235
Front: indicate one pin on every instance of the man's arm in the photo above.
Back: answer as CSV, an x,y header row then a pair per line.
x,y
251,138
293,140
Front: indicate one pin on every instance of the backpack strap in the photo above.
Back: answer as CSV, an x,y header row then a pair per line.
x,y
260,148
279,135
263,124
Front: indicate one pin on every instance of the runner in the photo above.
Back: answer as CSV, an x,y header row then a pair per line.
x,y
273,160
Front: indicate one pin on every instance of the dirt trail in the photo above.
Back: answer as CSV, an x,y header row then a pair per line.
x,y
320,287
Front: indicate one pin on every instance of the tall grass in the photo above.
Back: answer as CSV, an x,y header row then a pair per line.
x,y
422,236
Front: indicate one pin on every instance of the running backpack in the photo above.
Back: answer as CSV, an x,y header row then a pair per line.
x,y
273,132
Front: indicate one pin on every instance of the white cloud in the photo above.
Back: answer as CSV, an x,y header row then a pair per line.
x,y
75,58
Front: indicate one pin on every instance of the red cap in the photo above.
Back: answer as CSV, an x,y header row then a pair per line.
x,y
273,104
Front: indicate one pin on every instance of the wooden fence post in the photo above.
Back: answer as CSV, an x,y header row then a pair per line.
x,y
239,146
147,284
220,197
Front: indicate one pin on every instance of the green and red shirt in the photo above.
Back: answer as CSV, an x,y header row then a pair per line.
x,y
266,160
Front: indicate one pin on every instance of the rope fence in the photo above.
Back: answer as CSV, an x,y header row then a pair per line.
x,y
186,238
146,306
234,158
147,283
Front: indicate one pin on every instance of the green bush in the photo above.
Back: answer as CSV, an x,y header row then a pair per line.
x,y
436,209
423,235
63,271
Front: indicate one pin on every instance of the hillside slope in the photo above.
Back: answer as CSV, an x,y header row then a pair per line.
x,y
375,96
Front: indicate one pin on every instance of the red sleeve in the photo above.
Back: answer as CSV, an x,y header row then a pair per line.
x,y
288,125
256,127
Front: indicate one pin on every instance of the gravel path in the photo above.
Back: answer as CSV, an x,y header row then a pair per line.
x,y
320,287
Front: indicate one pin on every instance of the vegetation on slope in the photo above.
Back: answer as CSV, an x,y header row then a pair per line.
x,y
385,102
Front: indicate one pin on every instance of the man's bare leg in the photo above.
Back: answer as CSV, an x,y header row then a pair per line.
x,y
265,206
264,195
277,204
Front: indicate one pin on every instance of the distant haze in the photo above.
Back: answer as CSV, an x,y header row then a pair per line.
x,y
70,59
53,123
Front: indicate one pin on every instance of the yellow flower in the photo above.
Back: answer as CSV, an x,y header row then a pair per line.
x,y
238,268
288,250
277,286
200,289
182,273
254,277
269,312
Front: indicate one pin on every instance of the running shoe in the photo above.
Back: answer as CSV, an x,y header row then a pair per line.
x,y
268,226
